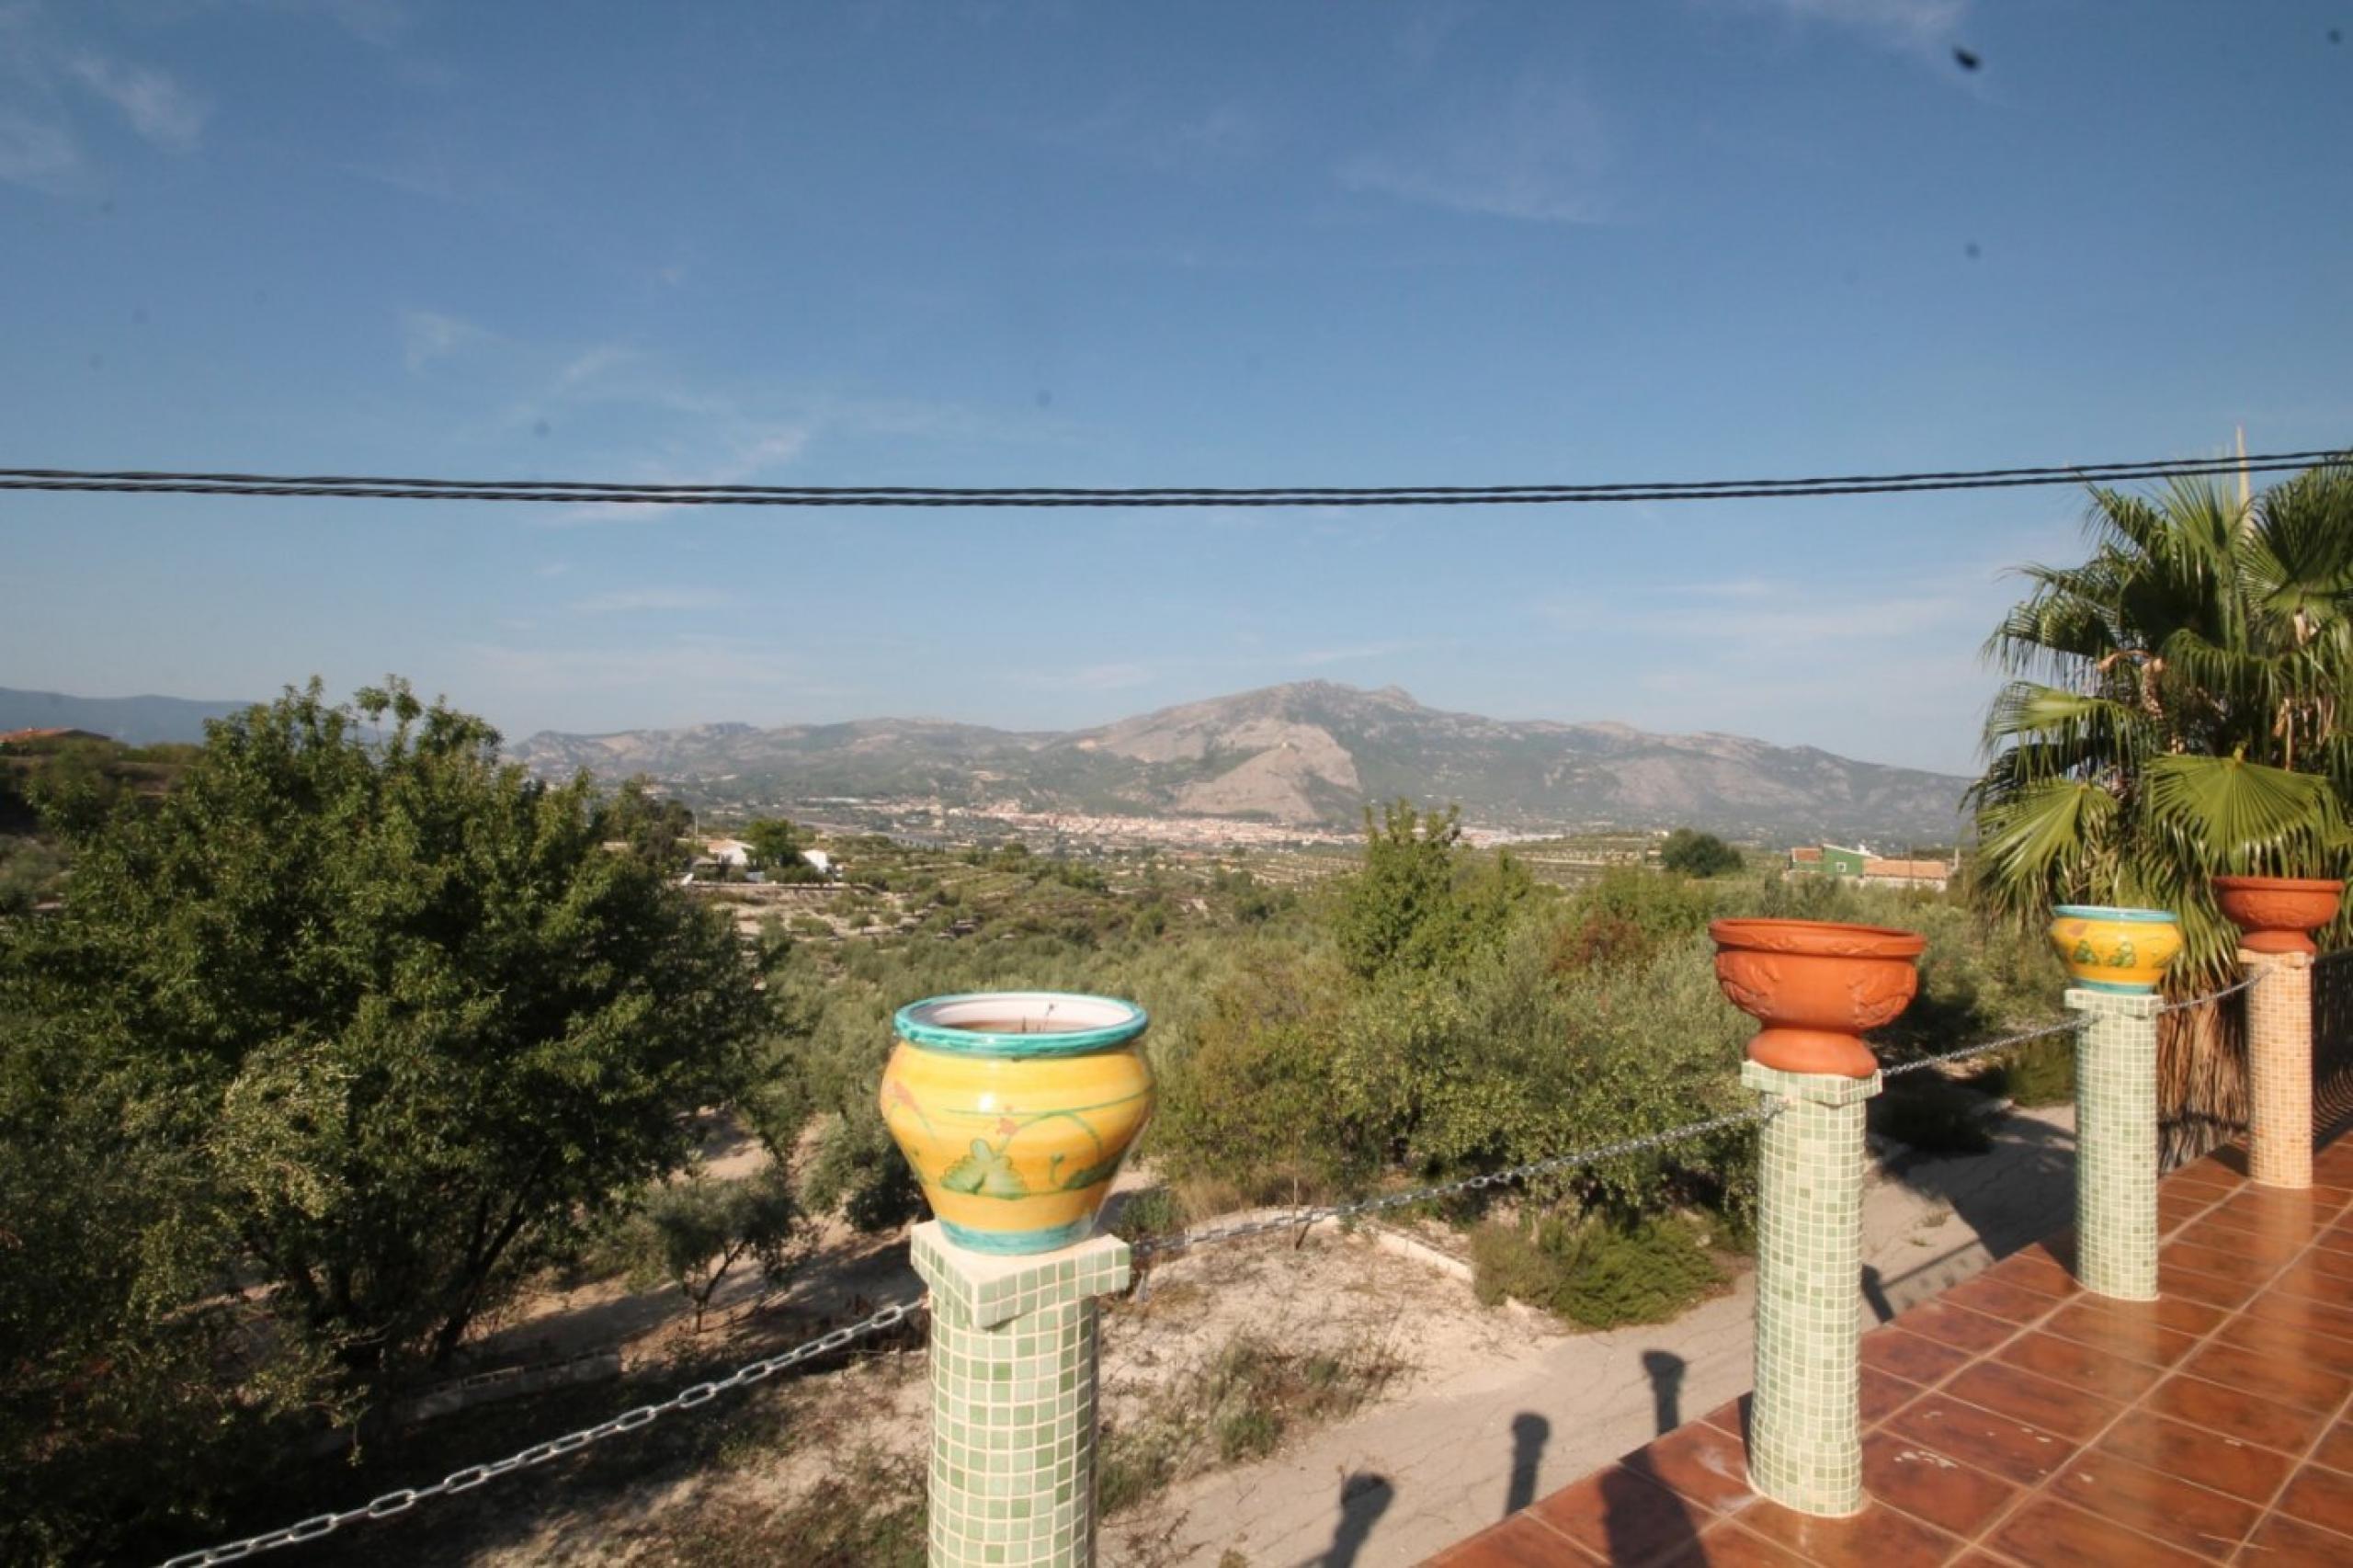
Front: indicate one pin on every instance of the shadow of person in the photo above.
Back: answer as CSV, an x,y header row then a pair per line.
x,y
1875,1293
1666,1369
1529,1432
1364,1497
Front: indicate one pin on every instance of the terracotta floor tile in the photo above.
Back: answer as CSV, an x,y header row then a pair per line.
x,y
2323,1498
2336,1238
2225,1464
2336,1450
2234,1414
2214,1289
1957,1327
2283,1380
2230,1263
1732,1415
2265,1243
2052,1532
1879,1536
2303,1279
2029,1271
1518,1542
2303,1311
1884,1395
2279,1211
1999,1299
2079,1365
2037,1400
2335,1265
1698,1462
2138,1337
2008,1448
2281,1542
2272,1337
1931,1485
1907,1355
1726,1545
2155,1502
1621,1518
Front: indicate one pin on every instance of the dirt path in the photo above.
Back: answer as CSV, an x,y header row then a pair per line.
x,y
1531,1411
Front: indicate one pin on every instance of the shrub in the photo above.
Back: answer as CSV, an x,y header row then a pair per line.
x,y
1595,1274
1693,854
2037,1074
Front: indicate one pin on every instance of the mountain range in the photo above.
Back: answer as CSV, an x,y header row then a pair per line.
x,y
134,721
1313,754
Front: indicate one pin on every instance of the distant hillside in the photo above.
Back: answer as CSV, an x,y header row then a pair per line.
x,y
134,721
1311,754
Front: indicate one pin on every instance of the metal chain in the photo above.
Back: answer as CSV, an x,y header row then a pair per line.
x,y
1297,1217
2231,989
1983,1048
473,1475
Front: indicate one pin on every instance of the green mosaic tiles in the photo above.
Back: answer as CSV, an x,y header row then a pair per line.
x,y
1805,1434
1013,1394
2116,1143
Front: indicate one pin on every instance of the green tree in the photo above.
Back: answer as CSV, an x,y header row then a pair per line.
x,y
776,849
656,830
1694,854
389,1003
1422,900
705,1228
2176,712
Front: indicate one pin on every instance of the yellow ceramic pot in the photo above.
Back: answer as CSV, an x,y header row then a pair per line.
x,y
2108,948
1016,1109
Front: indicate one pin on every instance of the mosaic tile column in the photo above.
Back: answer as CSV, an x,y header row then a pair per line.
x,y
2116,1143
2278,1068
1805,1444
1013,1344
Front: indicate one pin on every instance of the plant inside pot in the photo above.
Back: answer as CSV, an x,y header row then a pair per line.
x,y
1816,985
1016,1109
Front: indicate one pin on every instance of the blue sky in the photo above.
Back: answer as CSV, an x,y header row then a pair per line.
x,y
1112,244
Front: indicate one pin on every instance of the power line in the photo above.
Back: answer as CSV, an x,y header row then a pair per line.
x,y
134,481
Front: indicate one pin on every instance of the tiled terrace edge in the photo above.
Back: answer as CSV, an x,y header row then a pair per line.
x,y
1013,1394
2018,1419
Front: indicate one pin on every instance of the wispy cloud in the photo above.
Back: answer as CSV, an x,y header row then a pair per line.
x,y
1091,677
1318,657
1916,25
629,601
49,81
167,114
430,335
1540,154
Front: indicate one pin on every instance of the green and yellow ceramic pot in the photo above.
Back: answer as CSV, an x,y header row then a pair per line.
x,y
2108,948
1016,1107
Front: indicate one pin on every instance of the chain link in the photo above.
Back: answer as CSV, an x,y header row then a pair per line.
x,y
1294,1219
2231,989
1983,1048
473,1475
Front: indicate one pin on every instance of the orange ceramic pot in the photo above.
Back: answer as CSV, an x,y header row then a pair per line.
x,y
1816,986
2279,915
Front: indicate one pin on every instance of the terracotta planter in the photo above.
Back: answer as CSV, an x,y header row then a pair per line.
x,y
1016,1109
2279,915
1815,986
2106,948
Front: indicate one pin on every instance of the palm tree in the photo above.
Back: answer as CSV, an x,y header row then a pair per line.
x,y
2176,712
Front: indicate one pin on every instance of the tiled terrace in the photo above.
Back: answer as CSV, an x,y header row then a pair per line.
x,y
2017,1420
